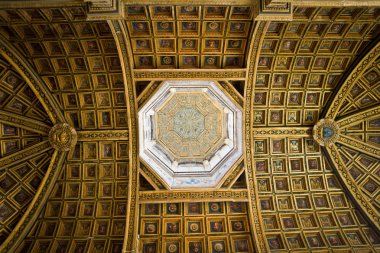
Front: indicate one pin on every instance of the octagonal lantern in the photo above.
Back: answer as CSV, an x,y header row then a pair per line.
x,y
190,133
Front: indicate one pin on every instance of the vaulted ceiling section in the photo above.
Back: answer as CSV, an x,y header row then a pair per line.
x,y
305,73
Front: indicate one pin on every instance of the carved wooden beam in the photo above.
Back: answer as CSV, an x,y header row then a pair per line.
x,y
24,122
181,74
165,196
100,135
359,145
24,154
358,117
283,131
120,34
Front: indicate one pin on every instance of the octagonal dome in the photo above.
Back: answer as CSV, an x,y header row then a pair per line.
x,y
190,134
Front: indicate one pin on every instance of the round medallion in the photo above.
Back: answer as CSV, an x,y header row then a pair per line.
x,y
167,60
235,43
151,228
210,60
326,132
172,248
214,207
189,43
164,25
172,208
238,225
218,247
194,227
213,25
62,137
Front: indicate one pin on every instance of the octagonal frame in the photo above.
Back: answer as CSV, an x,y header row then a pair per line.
x,y
180,174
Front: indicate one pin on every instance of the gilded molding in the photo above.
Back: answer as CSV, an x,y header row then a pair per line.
x,y
105,9
232,92
233,176
367,60
353,188
359,145
358,117
120,34
192,2
282,131
254,210
193,196
39,88
24,154
147,93
181,74
62,137
150,176
326,132
99,135
30,216
24,122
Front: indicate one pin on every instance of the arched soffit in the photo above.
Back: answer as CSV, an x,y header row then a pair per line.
x,y
356,150
124,49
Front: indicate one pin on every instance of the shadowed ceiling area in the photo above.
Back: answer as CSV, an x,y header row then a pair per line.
x,y
77,83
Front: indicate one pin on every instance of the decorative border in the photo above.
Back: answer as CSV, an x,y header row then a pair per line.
x,y
339,98
284,131
30,216
254,210
157,74
234,94
33,80
119,31
100,135
360,116
145,171
233,175
193,196
359,145
24,154
24,122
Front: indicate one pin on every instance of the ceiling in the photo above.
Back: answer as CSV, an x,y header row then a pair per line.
x,y
95,65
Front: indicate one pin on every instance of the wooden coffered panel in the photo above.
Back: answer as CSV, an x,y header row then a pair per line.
x,y
94,64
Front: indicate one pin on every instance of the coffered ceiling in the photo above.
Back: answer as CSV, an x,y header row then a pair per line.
x,y
95,65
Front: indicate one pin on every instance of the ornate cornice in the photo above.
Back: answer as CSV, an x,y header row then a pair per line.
x,y
122,40
254,213
193,196
181,74
37,204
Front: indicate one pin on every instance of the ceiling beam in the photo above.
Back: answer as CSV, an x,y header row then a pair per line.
x,y
27,123
240,195
24,154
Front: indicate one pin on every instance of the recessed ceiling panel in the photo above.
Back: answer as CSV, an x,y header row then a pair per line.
x,y
190,133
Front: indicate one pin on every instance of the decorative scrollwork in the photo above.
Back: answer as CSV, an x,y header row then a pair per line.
x,y
62,137
326,132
